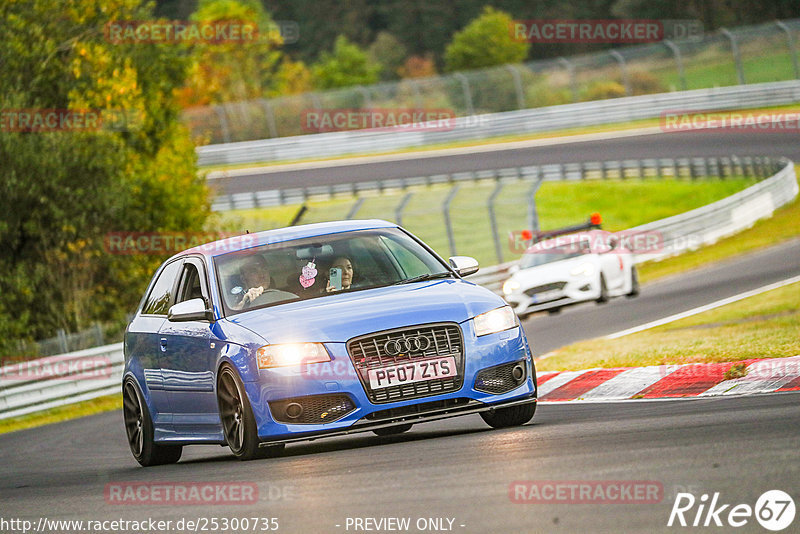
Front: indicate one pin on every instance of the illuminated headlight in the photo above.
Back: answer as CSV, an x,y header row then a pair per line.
x,y
286,354
495,321
585,269
510,286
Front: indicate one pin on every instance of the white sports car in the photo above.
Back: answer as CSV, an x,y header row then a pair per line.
x,y
549,277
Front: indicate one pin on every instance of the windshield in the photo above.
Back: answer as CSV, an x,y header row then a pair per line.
x,y
322,266
535,259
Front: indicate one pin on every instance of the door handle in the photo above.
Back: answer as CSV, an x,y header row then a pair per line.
x,y
163,344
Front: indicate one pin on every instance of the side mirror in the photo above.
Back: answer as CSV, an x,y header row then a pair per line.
x,y
464,265
190,310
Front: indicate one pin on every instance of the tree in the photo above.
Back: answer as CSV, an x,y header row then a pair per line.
x,y
485,42
388,52
347,65
62,191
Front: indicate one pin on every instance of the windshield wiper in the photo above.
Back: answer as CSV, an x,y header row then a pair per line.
x,y
423,277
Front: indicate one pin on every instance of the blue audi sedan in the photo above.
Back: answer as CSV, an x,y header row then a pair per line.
x,y
313,331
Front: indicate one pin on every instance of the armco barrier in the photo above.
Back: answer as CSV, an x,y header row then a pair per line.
x,y
19,396
506,123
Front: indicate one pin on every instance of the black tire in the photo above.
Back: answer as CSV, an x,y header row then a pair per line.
x,y
635,290
392,430
511,416
238,421
139,429
603,298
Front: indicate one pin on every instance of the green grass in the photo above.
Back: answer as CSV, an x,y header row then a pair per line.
x,y
763,326
622,203
783,225
63,413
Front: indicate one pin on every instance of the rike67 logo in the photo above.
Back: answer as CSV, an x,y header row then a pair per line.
x,y
774,510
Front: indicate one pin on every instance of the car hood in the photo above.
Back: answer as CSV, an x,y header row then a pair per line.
x,y
337,318
557,271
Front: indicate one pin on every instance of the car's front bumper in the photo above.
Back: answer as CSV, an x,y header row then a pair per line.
x,y
575,290
338,377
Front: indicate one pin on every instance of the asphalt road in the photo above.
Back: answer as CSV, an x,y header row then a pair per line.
x,y
458,468
666,145
665,297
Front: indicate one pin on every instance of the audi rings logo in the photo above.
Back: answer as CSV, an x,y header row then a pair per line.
x,y
393,347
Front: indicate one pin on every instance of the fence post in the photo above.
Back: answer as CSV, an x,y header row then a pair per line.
x,y
792,49
398,211
223,122
517,86
623,67
447,222
355,207
573,82
417,94
62,341
467,93
493,220
273,130
365,94
678,61
533,216
737,57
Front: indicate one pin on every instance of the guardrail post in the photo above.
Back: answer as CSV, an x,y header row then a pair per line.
x,y
355,207
498,249
678,61
517,86
398,211
270,114
573,82
792,48
623,67
223,123
737,57
533,216
467,93
447,222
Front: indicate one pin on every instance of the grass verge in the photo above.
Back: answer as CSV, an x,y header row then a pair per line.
x,y
62,413
763,326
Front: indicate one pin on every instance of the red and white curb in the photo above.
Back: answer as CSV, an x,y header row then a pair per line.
x,y
670,381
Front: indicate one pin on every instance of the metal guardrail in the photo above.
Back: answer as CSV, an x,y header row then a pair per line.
x,y
27,387
35,385
499,124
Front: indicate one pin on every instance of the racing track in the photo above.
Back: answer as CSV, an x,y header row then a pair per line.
x,y
459,468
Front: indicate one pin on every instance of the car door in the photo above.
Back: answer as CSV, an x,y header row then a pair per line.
x,y
142,341
188,359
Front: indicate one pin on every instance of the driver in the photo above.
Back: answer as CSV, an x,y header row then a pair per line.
x,y
256,278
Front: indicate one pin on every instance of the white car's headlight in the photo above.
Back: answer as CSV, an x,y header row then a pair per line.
x,y
585,269
510,286
285,354
495,321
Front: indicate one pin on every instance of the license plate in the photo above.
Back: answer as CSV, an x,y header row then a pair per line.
x,y
545,295
410,372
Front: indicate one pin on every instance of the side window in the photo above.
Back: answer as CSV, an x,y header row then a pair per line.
x,y
412,266
157,302
190,287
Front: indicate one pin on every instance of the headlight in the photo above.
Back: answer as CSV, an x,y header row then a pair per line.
x,y
586,269
291,354
510,286
495,321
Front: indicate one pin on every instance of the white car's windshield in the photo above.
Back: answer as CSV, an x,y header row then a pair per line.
x,y
535,259
320,266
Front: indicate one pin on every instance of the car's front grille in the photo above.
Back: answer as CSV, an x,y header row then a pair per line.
x,y
312,409
393,347
546,287
501,378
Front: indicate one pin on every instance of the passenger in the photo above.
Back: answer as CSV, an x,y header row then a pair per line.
x,y
343,263
256,278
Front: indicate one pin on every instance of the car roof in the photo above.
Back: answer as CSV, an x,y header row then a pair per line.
x,y
278,235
